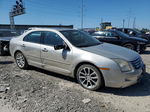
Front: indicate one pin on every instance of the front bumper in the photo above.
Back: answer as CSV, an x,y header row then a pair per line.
x,y
123,80
133,80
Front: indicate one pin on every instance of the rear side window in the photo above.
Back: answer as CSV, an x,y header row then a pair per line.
x,y
52,39
34,37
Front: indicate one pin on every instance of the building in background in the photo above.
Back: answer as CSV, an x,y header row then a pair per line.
x,y
21,28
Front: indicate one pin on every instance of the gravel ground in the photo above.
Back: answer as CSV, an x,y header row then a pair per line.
x,y
37,90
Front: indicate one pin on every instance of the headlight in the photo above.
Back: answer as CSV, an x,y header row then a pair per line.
x,y
124,65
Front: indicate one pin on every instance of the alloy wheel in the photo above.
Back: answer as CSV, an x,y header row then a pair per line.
x,y
88,77
20,60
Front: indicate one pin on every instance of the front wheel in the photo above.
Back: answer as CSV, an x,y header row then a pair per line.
x,y
21,60
89,77
129,46
142,48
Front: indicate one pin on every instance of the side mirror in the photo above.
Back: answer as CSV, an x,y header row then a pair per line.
x,y
63,46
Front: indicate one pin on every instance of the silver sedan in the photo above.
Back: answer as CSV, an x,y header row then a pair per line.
x,y
74,53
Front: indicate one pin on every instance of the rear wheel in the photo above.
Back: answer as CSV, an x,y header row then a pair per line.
x,y
129,46
89,77
138,48
21,60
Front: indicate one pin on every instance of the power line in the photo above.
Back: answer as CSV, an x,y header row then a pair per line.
x,y
49,12
37,6
46,5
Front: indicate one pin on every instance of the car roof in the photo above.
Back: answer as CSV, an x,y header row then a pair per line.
x,y
57,29
125,28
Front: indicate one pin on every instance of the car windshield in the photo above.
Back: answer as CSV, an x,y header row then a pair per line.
x,y
80,39
8,34
137,31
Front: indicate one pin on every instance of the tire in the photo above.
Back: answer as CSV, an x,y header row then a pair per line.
x,y
89,77
129,46
138,49
21,61
2,52
142,49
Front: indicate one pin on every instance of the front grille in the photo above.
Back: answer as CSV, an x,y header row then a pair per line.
x,y
137,63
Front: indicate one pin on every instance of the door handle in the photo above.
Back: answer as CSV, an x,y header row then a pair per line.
x,y
23,45
44,50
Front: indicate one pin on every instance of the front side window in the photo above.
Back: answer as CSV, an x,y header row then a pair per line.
x,y
111,34
52,39
121,34
33,37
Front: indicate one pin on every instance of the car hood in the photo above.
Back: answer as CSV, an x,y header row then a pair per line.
x,y
145,36
112,51
6,38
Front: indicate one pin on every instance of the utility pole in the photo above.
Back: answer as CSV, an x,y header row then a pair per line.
x,y
18,9
134,22
129,18
82,14
129,22
123,22
101,20
101,23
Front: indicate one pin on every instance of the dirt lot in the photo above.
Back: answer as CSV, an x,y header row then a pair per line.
x,y
36,90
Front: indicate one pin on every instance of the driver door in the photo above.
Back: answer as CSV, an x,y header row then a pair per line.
x,y
55,60
112,37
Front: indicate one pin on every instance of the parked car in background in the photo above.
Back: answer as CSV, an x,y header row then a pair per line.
x,y
135,33
5,37
119,38
77,54
147,33
88,30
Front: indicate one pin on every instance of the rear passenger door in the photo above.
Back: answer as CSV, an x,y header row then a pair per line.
x,y
31,47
